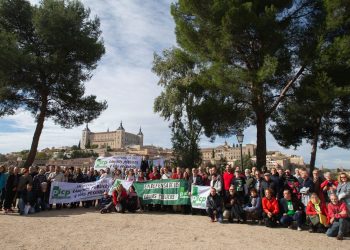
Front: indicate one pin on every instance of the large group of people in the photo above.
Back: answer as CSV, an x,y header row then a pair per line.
x,y
276,198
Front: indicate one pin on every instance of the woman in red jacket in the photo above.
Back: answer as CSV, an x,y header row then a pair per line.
x,y
119,198
316,214
270,208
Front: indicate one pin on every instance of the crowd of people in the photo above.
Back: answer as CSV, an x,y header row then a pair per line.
x,y
275,198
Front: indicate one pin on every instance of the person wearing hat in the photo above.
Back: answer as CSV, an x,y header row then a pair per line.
x,y
267,183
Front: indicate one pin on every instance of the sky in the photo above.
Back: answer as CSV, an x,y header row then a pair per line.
x,y
133,30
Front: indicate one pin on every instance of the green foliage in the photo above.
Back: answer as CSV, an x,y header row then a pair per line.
x,y
319,109
247,162
82,154
47,53
178,101
246,53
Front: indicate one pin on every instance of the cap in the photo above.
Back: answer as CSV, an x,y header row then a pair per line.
x,y
267,174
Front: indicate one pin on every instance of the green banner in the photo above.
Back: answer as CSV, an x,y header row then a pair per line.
x,y
164,192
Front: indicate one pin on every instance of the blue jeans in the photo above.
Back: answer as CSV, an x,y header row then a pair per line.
x,y
210,212
21,206
287,220
339,227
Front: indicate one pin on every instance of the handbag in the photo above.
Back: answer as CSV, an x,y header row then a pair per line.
x,y
314,220
323,219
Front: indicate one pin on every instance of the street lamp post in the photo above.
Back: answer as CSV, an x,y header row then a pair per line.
x,y
240,137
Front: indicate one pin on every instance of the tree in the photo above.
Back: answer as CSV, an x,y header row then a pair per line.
x,y
251,51
177,103
47,53
319,110
247,162
3,158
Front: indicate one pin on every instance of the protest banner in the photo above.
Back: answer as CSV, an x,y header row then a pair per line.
x,y
126,185
64,192
199,196
119,161
164,192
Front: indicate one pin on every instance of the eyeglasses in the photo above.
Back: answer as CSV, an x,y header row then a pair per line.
x,y
342,177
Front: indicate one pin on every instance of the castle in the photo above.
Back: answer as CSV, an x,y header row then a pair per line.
x,y
113,139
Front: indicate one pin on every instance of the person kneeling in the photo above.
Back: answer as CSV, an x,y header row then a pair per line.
x,y
316,212
270,209
106,204
253,207
337,215
119,199
233,204
214,206
27,201
132,203
291,210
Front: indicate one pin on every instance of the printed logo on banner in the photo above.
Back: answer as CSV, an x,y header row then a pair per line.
x,y
183,193
58,193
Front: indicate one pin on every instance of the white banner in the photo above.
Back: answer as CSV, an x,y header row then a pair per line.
x,y
199,196
119,161
64,192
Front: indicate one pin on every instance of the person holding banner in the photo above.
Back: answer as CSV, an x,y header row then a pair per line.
x,y
214,206
119,198
154,175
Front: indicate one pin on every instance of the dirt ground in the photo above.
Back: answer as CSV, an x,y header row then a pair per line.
x,y
87,229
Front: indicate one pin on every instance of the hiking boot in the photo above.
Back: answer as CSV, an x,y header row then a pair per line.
x,y
340,237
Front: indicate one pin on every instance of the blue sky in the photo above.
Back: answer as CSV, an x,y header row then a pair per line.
x,y
132,31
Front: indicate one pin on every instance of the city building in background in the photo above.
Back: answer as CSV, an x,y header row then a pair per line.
x,y
113,139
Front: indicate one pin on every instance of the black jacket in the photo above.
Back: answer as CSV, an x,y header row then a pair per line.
x,y
265,185
28,197
297,205
214,202
198,182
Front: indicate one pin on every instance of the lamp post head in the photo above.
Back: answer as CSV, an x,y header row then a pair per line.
x,y
240,136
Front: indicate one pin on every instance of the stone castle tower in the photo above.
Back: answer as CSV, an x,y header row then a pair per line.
x,y
114,139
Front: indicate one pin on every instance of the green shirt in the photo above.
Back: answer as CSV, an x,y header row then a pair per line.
x,y
290,208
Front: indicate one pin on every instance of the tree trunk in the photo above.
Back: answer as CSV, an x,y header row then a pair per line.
x,y
39,127
260,140
314,146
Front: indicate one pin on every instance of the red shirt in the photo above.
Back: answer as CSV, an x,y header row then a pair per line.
x,y
310,209
124,195
270,205
334,210
153,176
228,177
176,176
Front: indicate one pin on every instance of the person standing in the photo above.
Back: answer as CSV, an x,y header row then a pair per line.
x,y
10,190
58,177
3,180
343,189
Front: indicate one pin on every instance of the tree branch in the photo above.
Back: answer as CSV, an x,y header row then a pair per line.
x,y
284,91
